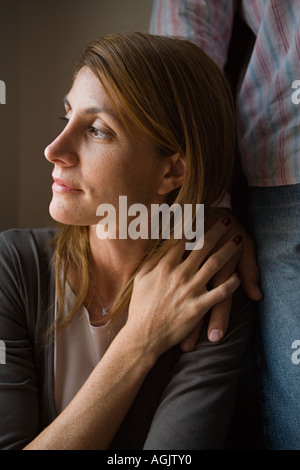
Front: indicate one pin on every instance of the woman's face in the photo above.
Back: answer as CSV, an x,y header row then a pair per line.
x,y
96,160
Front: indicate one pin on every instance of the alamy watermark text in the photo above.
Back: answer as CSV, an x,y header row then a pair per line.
x,y
2,352
145,225
2,92
296,353
296,93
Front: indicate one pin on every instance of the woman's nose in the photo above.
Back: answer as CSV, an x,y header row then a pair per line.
x,y
62,149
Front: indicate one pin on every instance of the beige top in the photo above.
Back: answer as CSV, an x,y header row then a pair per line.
x,y
78,349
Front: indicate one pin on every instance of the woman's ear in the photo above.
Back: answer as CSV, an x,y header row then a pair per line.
x,y
173,173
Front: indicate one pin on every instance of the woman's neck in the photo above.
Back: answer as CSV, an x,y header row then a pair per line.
x,y
114,262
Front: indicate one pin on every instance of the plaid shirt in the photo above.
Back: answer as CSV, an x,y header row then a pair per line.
x,y
267,103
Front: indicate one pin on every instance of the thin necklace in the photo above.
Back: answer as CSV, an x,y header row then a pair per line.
x,y
105,310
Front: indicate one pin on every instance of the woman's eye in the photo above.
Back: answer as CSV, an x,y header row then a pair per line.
x,y
97,133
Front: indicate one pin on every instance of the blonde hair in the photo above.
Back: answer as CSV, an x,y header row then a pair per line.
x,y
171,90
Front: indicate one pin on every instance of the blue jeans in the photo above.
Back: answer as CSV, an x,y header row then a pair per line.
x,y
275,219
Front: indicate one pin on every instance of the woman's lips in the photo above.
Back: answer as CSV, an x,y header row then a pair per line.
x,y
61,186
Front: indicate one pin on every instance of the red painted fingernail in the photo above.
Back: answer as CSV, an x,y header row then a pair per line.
x,y
238,239
226,221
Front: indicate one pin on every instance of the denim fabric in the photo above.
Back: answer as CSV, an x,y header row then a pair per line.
x,y
275,218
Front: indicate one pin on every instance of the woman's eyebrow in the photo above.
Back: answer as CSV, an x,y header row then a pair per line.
x,y
93,109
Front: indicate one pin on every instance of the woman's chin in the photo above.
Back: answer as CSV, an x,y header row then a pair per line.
x,y
64,215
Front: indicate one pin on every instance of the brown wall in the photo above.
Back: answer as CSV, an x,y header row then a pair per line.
x,y
39,43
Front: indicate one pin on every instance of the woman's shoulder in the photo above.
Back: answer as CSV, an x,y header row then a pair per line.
x,y
26,273
26,252
28,241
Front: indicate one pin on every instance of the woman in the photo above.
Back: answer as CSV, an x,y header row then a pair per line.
x,y
92,361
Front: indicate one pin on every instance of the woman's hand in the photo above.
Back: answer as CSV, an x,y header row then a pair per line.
x,y
170,296
245,263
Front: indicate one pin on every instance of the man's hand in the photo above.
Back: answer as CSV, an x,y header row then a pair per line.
x,y
171,295
244,263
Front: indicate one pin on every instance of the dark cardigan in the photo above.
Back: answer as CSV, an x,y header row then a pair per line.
x,y
185,402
